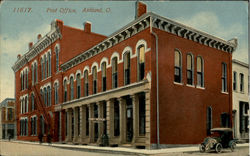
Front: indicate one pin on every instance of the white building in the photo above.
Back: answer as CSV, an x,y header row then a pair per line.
x,y
240,99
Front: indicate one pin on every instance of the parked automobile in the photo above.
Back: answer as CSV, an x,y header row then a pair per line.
x,y
220,138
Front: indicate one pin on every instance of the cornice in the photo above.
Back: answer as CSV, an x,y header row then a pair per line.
x,y
190,33
42,44
240,63
158,22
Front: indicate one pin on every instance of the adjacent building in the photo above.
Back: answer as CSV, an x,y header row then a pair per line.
x,y
7,119
152,83
240,100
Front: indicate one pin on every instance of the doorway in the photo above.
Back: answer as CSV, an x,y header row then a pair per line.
x,y
129,119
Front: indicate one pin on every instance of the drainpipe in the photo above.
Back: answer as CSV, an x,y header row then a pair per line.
x,y
157,85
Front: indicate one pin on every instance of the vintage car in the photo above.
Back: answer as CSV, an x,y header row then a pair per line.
x,y
220,138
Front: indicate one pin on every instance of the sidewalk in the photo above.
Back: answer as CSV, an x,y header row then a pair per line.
x,y
120,150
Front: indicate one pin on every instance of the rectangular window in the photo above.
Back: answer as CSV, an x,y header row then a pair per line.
x,y
116,118
209,120
234,81
72,124
241,82
224,77
142,117
225,118
10,114
87,121
78,120
244,107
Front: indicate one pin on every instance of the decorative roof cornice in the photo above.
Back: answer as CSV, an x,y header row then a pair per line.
x,y
42,44
158,22
193,34
240,63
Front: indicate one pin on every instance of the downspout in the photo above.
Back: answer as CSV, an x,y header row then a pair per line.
x,y
157,85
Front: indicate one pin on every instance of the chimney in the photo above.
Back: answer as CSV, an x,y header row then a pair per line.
x,y
87,27
39,36
19,56
140,9
30,45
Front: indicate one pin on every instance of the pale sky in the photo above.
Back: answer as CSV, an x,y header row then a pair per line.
x,y
224,19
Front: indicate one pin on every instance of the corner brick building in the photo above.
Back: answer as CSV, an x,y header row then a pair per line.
x,y
7,119
152,83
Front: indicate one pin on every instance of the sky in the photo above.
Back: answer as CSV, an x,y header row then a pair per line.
x,y
21,21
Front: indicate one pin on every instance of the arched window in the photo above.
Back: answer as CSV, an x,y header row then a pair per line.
x,y
78,83
65,90
190,68
200,72
27,78
114,73
45,66
127,68
57,58
177,67
56,93
141,62
24,79
45,96
94,74
104,79
86,83
49,95
21,80
32,74
35,72
41,68
49,64
71,88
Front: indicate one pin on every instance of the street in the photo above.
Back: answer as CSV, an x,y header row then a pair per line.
x,y
24,149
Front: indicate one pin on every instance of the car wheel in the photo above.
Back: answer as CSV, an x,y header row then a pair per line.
x,y
218,148
202,148
232,146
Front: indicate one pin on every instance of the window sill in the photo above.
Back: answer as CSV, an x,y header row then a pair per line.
x,y
188,85
178,83
224,92
199,87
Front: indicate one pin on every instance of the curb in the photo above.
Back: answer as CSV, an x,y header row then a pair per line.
x,y
119,150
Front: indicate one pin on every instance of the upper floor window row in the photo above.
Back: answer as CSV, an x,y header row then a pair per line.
x,y
114,61
178,69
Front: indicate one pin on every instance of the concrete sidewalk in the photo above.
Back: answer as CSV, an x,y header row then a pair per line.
x,y
120,150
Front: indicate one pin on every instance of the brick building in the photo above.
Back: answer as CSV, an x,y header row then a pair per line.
x,y
7,119
152,82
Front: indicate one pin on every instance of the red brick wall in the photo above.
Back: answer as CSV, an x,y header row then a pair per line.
x,y
182,108
73,42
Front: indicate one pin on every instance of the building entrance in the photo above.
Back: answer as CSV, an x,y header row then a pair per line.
x,y
129,117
